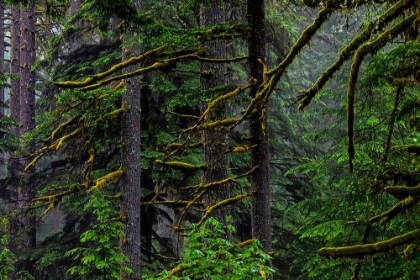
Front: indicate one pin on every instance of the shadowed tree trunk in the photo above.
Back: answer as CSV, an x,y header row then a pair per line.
x,y
27,113
14,112
215,142
130,183
260,179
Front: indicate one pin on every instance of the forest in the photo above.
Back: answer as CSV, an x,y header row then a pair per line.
x,y
209,139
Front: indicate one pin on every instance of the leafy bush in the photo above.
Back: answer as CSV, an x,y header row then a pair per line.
x,y
210,255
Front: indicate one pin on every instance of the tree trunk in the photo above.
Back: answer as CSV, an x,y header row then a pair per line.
x,y
13,162
27,114
260,180
130,159
215,142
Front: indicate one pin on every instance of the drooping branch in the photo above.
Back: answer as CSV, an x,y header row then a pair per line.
x,y
272,76
366,48
389,15
369,249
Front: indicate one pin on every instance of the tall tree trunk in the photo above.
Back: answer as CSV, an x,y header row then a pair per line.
x,y
130,183
27,113
215,141
13,162
260,180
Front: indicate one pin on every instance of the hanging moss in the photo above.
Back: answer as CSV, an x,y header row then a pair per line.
x,y
360,251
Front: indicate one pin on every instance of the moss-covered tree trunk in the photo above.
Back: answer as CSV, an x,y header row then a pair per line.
x,y
215,142
260,180
27,113
130,159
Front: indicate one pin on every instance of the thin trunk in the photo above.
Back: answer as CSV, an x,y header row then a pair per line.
x,y
27,113
215,141
130,159
260,180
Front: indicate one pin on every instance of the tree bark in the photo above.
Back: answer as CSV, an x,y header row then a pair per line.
x,y
260,180
14,112
27,113
130,183
215,142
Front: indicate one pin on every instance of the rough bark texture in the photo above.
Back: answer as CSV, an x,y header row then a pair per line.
x,y
13,162
27,113
215,141
74,37
260,180
130,159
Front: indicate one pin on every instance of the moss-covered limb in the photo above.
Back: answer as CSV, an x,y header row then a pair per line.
x,y
302,41
401,192
114,113
112,197
190,204
340,4
397,209
242,149
60,127
402,81
220,123
215,184
101,182
91,80
221,204
366,48
411,148
389,15
57,144
178,145
222,99
219,60
182,165
359,251
173,203
245,243
272,77
89,163
182,115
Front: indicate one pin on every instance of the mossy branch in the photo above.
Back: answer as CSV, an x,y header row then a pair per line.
x,y
401,192
91,80
221,204
276,73
219,183
360,251
411,148
397,209
366,48
173,203
182,165
389,15
110,177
